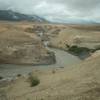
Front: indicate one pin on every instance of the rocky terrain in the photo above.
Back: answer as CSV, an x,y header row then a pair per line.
x,y
75,39
78,39
19,47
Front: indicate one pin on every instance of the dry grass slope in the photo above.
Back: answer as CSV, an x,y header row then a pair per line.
x,y
22,47
78,82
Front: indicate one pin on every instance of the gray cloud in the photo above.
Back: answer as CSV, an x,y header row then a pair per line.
x,y
56,9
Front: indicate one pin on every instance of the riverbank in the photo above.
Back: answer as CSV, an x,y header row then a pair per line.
x,y
62,59
74,82
79,40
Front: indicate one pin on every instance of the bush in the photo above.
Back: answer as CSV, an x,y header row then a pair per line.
x,y
78,50
19,75
1,77
34,81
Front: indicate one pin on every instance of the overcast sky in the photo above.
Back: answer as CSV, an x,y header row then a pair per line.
x,y
56,9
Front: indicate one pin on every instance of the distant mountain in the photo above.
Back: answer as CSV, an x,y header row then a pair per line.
x,y
10,15
15,16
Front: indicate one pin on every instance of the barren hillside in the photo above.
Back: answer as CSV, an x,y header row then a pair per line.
x,y
78,82
24,44
19,47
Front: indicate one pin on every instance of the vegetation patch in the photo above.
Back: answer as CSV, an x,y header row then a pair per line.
x,y
1,77
30,30
34,81
78,50
19,75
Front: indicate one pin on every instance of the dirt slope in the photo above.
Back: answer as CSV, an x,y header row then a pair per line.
x,y
20,47
79,82
80,37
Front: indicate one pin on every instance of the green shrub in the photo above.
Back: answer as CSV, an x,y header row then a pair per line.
x,y
1,77
34,81
19,75
78,50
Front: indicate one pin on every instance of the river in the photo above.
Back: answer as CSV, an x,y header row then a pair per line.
x,y
63,59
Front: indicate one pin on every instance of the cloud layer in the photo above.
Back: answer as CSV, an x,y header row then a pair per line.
x,y
56,10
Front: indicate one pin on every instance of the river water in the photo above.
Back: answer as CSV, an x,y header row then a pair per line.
x,y
63,59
